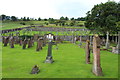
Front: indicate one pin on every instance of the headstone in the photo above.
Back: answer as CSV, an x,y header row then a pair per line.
x,y
80,44
97,70
24,43
29,43
107,41
87,52
35,70
49,58
39,44
114,50
118,43
103,42
6,40
11,42
36,37
21,42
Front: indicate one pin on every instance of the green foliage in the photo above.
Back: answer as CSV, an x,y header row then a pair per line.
x,y
103,17
39,19
13,18
51,21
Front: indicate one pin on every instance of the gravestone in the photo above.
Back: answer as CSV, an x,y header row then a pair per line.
x,y
49,58
35,70
87,52
107,41
24,43
11,40
16,40
39,44
118,46
97,70
29,43
36,37
21,42
103,42
6,40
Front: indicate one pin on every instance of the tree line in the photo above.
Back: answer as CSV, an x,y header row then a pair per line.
x,y
14,18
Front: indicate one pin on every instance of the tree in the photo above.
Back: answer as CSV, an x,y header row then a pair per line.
x,y
66,18
28,19
62,18
3,17
51,21
72,18
103,17
39,19
13,18
24,19
45,19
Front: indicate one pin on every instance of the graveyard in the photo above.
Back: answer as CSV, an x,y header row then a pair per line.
x,y
83,47
68,55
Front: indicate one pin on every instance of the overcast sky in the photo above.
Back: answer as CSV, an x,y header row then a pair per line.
x,y
48,8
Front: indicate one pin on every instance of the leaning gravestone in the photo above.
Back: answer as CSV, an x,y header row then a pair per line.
x,y
97,70
87,52
35,70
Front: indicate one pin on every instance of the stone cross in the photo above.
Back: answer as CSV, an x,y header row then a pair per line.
x,y
49,55
97,70
87,52
107,41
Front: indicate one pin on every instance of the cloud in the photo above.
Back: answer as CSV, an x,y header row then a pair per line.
x,y
48,8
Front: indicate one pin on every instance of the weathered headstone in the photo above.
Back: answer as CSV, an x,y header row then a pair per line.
x,y
49,58
36,37
35,70
11,40
6,40
24,43
29,43
39,44
87,52
21,42
107,41
97,70
118,43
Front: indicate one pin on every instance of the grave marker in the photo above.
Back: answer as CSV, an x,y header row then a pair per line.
x,y
97,70
87,52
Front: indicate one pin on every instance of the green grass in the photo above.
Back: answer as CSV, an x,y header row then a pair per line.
x,y
69,63
16,24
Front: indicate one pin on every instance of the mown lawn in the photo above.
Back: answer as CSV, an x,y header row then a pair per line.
x,y
69,63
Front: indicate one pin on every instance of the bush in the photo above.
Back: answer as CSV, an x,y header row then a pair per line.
x,y
22,23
